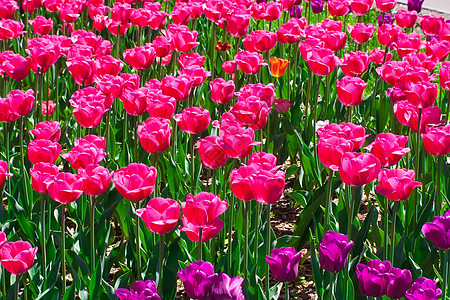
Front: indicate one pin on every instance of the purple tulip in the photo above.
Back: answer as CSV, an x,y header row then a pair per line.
x,y
438,231
296,11
139,290
385,19
261,1
283,263
198,279
225,288
374,278
424,289
333,251
399,283
317,6
415,5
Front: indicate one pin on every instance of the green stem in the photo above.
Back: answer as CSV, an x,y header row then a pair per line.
x,y
350,203
92,215
316,103
136,138
308,96
448,107
438,203
22,162
328,203
25,289
200,243
349,113
63,247
193,138
416,198
394,218
3,283
286,288
256,246
117,42
125,134
332,278
267,250
160,263
16,296
8,160
246,216
138,245
447,278
44,248
155,163
230,233
386,227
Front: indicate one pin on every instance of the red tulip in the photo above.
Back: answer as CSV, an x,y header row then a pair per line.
x,y
83,155
222,91
249,62
160,215
431,24
43,151
177,87
396,184
385,5
65,187
4,172
10,29
322,61
408,43
21,102
193,120
268,186
421,94
41,25
350,90
212,153
135,182
361,32
330,151
17,257
140,58
40,173
355,63
406,18
96,179
202,209
349,131
438,49
282,105
290,32
47,130
338,8
241,182
16,66
437,140
154,134
360,7
389,148
358,169
260,41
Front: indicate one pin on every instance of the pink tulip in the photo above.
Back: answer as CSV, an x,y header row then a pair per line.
x,y
421,94
40,173
107,64
268,186
282,105
290,32
43,151
85,154
222,91
249,62
396,184
96,179
65,187
350,90
330,151
4,172
349,131
135,182
241,182
338,8
202,209
322,61
389,148
388,34
377,56
135,102
140,58
358,169
260,41
21,102
17,257
16,66
82,69
47,130
407,114
406,18
197,74
191,59
265,93
41,25
361,32
360,7
251,111
193,120
437,140
212,153
385,5
177,87
161,215
431,24
154,134
355,63
438,49
237,25
43,52
160,105
7,114
7,9
10,29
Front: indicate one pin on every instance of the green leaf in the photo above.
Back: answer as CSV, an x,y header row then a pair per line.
x,y
317,273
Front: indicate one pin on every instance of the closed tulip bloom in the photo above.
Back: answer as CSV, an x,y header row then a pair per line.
x,y
16,66
41,25
40,173
65,187
290,32
96,179
237,25
350,90
162,46
437,140
333,251
140,58
268,187
260,41
355,63
191,59
405,18
108,65
278,66
358,169
185,40
334,40
424,289
361,32
360,7
374,278
421,94
212,153
249,62
4,172
7,114
396,184
385,5
47,130
208,232
349,131
197,74
43,52
322,61
225,287
177,87
389,148
43,151
202,209
222,91
21,102
431,24
160,105
139,290
154,134
135,101
283,263
400,281
317,6
136,181
241,180
198,279
408,43
17,257
437,231
415,5
89,113
238,141
8,8
330,151
82,69
338,8
193,120
160,215
88,140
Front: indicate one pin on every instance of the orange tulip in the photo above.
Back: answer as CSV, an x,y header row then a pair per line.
x,y
278,66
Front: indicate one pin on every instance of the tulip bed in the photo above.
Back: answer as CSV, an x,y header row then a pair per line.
x,y
144,145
